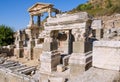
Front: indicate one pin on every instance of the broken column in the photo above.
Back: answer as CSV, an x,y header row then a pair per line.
x,y
18,51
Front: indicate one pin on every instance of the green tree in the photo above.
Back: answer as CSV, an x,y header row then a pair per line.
x,y
6,35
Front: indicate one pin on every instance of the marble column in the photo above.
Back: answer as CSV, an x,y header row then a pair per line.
x,y
38,20
31,20
49,12
70,42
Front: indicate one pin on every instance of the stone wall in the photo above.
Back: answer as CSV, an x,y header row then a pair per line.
x,y
37,52
9,50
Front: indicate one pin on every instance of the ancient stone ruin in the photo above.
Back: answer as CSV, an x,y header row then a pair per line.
x,y
67,47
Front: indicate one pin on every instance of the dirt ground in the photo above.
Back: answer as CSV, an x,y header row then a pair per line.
x,y
33,62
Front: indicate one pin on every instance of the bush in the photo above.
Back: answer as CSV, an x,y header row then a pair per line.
x,y
83,7
6,35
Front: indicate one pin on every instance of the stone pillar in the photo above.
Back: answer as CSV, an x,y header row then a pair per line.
x,y
81,58
29,33
31,45
49,12
31,20
99,33
38,20
49,58
18,51
70,42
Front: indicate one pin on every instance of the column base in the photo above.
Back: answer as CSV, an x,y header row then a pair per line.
x,y
79,62
49,61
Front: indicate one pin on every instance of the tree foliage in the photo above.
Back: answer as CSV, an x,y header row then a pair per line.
x,y
83,7
6,35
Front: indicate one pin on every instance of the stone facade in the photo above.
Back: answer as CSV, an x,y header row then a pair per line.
x,y
64,49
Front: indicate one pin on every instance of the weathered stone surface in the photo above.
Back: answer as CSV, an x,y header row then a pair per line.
x,y
7,76
66,26
31,44
67,18
63,47
66,60
98,75
49,46
79,63
36,52
81,47
60,68
96,24
57,79
106,55
28,53
18,52
44,78
49,61
19,44
99,33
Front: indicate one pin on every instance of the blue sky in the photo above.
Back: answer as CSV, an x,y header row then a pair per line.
x,y
14,13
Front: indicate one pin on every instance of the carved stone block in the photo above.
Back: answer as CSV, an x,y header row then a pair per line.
x,y
49,61
49,46
106,55
81,47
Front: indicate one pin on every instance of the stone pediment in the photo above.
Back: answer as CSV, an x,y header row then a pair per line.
x,y
39,6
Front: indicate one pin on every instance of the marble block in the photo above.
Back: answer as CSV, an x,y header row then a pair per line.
x,y
49,46
60,68
79,63
49,61
81,47
106,55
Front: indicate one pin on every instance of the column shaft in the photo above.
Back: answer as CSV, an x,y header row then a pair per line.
x,y
49,12
38,20
70,43
31,20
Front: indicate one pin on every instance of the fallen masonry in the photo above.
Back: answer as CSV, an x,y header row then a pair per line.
x,y
10,71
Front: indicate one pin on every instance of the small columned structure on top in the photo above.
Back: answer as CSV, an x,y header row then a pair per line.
x,y
38,9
